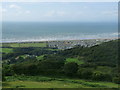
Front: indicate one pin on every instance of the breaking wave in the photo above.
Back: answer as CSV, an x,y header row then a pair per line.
x,y
63,36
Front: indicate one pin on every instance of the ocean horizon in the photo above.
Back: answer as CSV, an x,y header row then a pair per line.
x,y
53,31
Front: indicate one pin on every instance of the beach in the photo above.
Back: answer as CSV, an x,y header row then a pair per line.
x,y
59,44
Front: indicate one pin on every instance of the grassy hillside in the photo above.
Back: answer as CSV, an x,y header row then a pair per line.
x,y
106,53
84,67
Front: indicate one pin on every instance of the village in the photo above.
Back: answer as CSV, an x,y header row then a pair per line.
x,y
72,43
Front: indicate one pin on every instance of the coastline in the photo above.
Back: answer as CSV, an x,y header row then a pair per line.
x,y
43,41
59,44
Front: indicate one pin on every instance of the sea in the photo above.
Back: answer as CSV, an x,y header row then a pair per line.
x,y
53,31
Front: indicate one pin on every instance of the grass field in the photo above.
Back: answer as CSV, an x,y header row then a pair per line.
x,y
7,50
40,57
74,60
36,44
49,82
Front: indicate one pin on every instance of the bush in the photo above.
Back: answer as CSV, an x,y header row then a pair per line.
x,y
3,77
116,80
99,76
7,71
70,69
85,73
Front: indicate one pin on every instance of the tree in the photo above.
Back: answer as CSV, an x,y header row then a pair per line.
x,y
85,73
116,80
99,76
7,71
50,67
70,69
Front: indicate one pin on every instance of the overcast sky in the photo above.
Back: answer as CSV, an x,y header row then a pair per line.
x,y
64,11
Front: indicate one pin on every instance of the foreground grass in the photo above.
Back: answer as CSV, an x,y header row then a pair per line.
x,y
50,82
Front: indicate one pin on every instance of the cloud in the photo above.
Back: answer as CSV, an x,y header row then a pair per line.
x,y
28,12
18,10
63,14
2,10
55,13
14,6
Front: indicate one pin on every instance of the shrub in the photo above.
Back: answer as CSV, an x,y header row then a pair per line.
x,y
116,80
7,71
99,76
85,73
3,77
71,68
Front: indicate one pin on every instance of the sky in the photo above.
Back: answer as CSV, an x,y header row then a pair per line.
x,y
59,11
59,0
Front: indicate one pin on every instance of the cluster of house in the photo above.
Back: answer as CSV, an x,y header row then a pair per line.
x,y
71,43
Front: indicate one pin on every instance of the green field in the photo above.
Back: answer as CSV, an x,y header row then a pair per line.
x,y
36,44
7,50
40,57
48,82
74,60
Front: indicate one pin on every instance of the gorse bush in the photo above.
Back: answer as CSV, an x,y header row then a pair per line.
x,y
116,80
70,69
85,73
99,76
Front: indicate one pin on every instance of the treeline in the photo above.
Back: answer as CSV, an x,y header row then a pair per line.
x,y
97,59
36,51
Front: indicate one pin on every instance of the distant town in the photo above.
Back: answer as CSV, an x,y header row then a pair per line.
x,y
71,43
63,44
